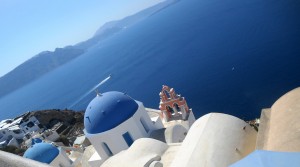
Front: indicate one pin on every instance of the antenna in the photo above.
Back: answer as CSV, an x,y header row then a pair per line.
x,y
97,92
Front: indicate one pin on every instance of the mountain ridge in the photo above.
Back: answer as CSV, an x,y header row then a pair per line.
x,y
36,67
47,61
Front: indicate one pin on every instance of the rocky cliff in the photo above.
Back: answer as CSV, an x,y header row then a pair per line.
x,y
72,121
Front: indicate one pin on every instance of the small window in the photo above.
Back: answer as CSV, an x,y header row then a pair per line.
x,y
107,150
177,107
127,137
40,126
18,131
144,125
169,109
167,94
30,124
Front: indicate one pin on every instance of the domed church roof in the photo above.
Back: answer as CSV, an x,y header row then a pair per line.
x,y
42,152
107,111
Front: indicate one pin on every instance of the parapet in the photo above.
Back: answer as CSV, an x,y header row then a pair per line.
x,y
11,160
279,126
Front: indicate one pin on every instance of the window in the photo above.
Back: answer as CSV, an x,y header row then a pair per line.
x,y
106,149
40,125
169,109
127,137
30,124
176,106
144,125
167,94
18,131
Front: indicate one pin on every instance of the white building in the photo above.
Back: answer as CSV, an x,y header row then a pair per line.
x,y
10,129
50,135
17,129
214,140
113,121
81,142
30,124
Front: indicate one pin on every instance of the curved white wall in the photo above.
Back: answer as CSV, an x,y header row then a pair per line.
x,y
143,152
175,134
12,160
284,123
216,140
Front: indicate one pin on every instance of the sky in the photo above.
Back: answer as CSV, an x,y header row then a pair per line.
x,y
28,27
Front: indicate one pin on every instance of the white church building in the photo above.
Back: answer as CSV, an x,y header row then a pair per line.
x,y
113,121
48,154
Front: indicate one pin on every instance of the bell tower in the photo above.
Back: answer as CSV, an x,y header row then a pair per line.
x,y
172,105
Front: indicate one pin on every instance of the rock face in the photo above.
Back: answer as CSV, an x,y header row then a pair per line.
x,y
72,121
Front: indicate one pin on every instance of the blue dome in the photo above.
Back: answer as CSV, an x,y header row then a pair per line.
x,y
42,152
107,111
36,140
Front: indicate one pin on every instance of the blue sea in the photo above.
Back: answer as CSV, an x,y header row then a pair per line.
x,y
233,56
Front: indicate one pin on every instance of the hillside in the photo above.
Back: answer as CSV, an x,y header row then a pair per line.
x,y
72,120
36,67
47,61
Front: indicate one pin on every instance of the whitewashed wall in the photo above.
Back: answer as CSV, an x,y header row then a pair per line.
x,y
114,139
216,140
